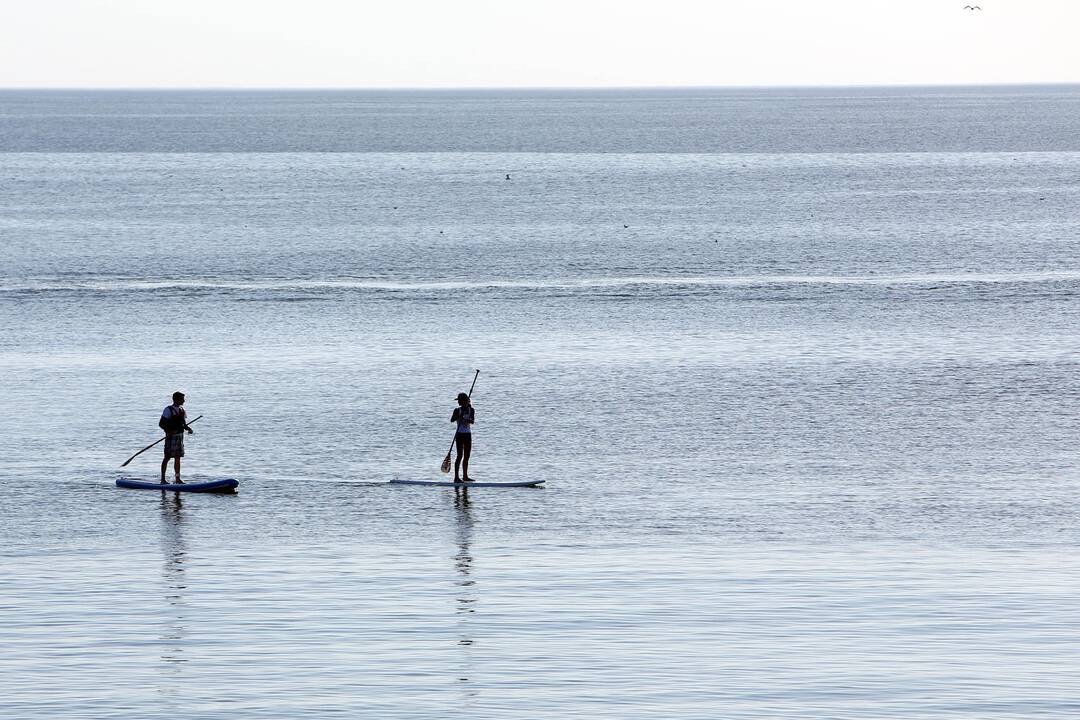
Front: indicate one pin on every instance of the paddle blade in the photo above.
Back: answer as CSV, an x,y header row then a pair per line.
x,y
446,463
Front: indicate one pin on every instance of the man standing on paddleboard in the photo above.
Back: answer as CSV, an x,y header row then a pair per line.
x,y
174,422
464,416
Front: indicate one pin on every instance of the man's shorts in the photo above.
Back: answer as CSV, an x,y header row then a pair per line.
x,y
174,445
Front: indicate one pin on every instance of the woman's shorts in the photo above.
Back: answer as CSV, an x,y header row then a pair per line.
x,y
174,445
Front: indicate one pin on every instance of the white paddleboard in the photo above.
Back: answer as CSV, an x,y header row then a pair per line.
x,y
444,483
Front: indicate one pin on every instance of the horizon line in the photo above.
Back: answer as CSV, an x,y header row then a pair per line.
x,y
476,88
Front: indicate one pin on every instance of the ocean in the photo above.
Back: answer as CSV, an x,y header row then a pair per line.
x,y
799,369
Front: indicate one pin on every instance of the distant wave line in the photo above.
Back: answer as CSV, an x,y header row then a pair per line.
x,y
103,285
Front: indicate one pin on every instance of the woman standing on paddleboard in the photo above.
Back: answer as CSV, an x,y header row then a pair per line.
x,y
464,416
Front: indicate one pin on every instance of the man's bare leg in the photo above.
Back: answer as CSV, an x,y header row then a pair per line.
x,y
178,480
164,467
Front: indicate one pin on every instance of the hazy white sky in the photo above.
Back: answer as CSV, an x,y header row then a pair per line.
x,y
475,43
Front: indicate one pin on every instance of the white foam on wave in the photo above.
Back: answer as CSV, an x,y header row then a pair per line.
x,y
274,284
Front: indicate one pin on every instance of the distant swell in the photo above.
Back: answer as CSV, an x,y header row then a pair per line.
x,y
123,285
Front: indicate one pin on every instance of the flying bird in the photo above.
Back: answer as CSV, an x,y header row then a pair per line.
x,y
972,7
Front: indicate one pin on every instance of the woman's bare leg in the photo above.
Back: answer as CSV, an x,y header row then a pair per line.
x,y
465,460
457,461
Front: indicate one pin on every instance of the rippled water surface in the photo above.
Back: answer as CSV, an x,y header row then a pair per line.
x,y
806,409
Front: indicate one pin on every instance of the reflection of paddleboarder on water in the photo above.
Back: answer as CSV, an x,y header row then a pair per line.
x,y
464,415
174,618
174,422
467,593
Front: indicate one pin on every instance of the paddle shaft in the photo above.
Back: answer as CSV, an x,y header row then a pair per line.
x,y
150,446
447,460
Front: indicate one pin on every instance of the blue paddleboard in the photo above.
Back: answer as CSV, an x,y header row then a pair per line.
x,y
211,486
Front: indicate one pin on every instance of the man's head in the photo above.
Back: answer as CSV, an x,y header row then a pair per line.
x,y
178,398
462,399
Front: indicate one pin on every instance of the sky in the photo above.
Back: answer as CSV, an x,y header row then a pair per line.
x,y
534,43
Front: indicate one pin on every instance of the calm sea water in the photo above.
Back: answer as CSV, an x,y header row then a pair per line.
x,y
800,369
